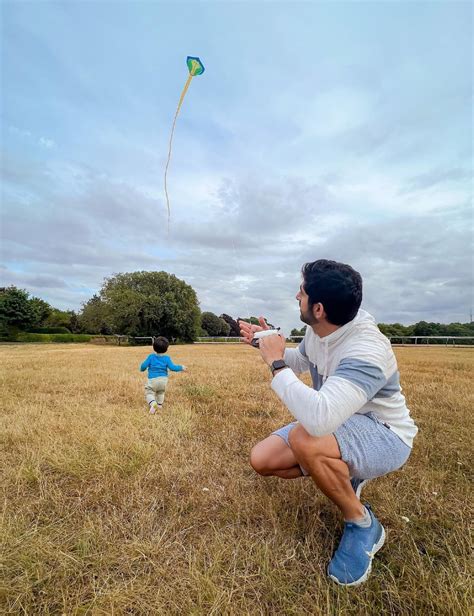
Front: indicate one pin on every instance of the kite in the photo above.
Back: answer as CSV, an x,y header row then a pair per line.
x,y
195,67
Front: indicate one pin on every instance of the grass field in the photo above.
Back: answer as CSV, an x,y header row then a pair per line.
x,y
108,510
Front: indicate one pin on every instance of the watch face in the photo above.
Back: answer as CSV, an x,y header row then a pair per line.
x,y
279,363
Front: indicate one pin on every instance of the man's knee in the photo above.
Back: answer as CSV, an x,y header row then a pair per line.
x,y
305,447
299,440
259,460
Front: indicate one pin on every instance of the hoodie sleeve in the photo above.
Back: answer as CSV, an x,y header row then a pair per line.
x,y
174,367
354,382
297,359
319,412
145,364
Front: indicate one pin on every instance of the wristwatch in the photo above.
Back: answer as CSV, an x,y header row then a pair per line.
x,y
277,365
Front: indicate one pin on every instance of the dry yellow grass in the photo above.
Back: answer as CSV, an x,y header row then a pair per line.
x,y
108,510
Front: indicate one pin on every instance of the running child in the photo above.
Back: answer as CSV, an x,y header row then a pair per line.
x,y
158,365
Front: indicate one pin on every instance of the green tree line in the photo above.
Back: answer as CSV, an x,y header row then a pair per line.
x,y
153,303
423,328
20,312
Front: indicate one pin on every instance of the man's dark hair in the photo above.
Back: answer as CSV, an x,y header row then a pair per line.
x,y
338,287
160,344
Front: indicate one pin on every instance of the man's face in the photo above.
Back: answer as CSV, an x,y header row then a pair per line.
x,y
306,313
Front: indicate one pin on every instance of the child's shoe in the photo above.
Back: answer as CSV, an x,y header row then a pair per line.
x,y
154,407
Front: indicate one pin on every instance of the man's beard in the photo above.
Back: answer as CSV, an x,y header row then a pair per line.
x,y
308,317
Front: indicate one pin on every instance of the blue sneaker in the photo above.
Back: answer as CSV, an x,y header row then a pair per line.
x,y
358,484
352,561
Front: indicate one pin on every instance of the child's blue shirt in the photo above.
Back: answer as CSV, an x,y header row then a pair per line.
x,y
158,365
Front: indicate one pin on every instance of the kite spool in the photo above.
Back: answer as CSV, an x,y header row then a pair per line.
x,y
264,334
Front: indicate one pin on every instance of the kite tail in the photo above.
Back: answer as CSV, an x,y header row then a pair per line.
x,y
181,98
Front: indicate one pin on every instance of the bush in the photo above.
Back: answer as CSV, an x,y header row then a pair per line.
x,y
230,339
98,339
49,330
33,337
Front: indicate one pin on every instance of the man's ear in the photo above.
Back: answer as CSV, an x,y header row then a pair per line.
x,y
318,311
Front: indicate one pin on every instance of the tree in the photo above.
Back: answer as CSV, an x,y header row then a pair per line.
x,y
93,318
234,326
74,324
225,328
15,308
40,311
214,325
422,328
395,329
298,332
151,303
59,318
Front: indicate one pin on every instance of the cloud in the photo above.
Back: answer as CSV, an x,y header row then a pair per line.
x,y
243,252
46,143
435,177
344,145
24,133
412,266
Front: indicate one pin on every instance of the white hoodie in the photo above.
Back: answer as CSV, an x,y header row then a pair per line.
x,y
354,370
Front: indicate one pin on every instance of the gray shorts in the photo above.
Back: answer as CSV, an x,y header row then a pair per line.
x,y
368,447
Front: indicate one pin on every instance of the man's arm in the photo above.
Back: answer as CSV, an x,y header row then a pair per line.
x,y
319,412
355,381
296,359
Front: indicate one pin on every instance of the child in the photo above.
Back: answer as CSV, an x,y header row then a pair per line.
x,y
158,364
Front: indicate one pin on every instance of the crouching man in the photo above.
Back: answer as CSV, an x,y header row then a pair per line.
x,y
352,425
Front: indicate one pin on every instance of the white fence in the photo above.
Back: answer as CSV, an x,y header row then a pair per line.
x,y
428,339
215,340
403,340
399,340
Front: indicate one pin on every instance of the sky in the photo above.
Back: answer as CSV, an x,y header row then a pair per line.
x,y
335,130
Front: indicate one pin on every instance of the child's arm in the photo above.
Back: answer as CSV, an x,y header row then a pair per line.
x,y
175,367
145,364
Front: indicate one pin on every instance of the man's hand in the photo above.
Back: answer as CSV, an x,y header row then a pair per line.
x,y
272,348
247,330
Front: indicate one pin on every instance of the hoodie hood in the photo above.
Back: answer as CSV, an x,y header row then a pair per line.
x,y
362,318
328,343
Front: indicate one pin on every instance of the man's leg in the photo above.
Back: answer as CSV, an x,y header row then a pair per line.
x,y
363,534
272,456
321,457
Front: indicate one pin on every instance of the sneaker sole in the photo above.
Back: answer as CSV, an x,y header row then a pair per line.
x,y
366,574
360,486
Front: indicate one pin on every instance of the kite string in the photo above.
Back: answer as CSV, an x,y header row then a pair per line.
x,y
181,98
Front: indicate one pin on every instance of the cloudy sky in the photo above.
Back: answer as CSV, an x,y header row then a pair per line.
x,y
338,130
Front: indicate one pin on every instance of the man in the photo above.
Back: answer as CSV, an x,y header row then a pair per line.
x,y
353,424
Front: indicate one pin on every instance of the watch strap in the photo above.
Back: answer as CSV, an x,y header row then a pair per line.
x,y
278,365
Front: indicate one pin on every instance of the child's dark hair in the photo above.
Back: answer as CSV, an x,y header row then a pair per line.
x,y
160,344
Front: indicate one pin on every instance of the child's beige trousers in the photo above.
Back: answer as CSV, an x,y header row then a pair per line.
x,y
155,389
